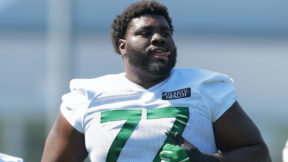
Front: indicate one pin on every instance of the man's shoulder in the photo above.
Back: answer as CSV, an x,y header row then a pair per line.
x,y
196,73
197,77
94,83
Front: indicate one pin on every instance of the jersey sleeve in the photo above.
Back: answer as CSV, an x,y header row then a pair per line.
x,y
73,106
218,92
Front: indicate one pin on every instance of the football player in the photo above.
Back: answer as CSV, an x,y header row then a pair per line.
x,y
152,111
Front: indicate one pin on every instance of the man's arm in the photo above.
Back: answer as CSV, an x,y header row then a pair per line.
x,y
64,143
238,138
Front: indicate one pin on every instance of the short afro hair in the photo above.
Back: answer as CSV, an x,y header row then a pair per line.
x,y
121,21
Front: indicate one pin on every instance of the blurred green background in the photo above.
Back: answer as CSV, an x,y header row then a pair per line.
x,y
44,44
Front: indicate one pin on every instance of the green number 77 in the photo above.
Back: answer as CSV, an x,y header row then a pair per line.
x,y
133,117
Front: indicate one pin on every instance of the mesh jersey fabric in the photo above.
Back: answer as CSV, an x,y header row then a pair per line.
x,y
106,108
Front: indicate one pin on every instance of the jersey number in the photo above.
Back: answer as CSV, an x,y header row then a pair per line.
x,y
133,117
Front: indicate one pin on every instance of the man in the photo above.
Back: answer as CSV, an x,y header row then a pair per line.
x,y
152,112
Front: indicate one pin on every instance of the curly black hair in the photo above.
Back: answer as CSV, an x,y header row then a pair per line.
x,y
121,21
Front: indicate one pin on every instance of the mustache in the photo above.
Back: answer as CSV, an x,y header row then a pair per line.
x,y
152,50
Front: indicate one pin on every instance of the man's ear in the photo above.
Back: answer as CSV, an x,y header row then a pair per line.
x,y
122,46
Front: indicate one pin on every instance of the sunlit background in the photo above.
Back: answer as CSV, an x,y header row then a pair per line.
x,y
45,43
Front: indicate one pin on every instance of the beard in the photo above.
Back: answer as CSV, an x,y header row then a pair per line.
x,y
146,62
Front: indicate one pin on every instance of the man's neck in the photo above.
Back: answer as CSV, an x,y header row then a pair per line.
x,y
143,78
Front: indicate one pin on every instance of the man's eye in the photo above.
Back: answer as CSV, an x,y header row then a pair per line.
x,y
144,33
166,34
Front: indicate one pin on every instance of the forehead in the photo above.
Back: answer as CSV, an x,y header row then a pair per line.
x,y
148,20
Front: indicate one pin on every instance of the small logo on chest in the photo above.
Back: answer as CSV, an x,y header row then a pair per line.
x,y
181,93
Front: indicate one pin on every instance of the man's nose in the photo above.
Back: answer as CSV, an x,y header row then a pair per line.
x,y
157,38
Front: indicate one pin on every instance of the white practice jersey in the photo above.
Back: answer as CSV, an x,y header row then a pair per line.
x,y
9,158
125,122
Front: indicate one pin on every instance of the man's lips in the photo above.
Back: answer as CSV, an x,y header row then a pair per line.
x,y
162,54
